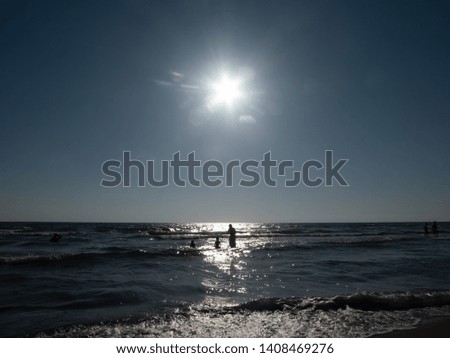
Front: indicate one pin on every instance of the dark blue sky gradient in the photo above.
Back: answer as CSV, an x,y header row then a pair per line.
x,y
80,81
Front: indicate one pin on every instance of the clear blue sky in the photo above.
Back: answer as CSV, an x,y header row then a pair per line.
x,y
81,81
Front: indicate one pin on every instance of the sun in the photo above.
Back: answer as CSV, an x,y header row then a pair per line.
x,y
226,92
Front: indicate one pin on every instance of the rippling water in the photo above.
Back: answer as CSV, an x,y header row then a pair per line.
x,y
282,280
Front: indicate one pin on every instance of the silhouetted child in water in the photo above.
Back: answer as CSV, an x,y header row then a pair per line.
x,y
217,243
192,244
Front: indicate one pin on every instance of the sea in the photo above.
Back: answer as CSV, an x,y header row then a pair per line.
x,y
282,280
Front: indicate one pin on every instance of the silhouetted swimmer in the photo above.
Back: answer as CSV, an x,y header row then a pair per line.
x,y
232,238
55,238
434,229
192,244
425,229
217,243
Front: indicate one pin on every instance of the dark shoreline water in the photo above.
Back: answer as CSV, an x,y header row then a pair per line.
x,y
436,327
283,280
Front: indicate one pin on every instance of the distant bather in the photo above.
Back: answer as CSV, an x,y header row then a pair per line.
x,y
232,238
434,229
55,238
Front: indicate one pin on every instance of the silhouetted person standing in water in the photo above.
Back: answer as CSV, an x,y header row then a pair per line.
x,y
232,232
434,229
192,244
425,229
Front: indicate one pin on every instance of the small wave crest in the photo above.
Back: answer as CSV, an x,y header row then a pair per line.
x,y
92,257
359,301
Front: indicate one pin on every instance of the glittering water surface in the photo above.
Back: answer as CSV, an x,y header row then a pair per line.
x,y
282,280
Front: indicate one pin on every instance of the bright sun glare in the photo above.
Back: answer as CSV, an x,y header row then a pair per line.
x,y
226,92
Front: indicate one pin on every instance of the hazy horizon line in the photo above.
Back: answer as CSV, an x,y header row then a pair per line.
x,y
220,222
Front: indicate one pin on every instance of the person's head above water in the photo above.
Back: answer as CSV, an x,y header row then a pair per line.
x,y
230,225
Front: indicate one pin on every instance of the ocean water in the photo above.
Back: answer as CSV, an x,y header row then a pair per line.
x,y
282,280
